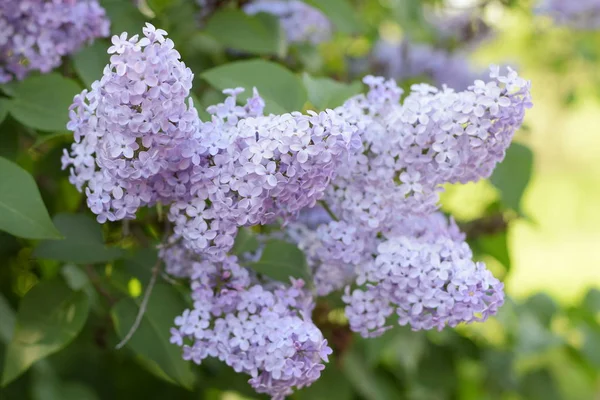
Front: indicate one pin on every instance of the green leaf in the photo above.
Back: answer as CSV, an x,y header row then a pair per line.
x,y
42,102
245,242
7,322
22,211
340,13
50,316
331,385
151,340
280,260
83,243
280,88
591,301
90,61
512,175
326,93
540,385
124,17
496,246
542,306
590,348
3,109
240,31
371,385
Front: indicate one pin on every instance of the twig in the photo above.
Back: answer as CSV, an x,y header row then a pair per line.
x,y
143,306
329,211
146,298
95,280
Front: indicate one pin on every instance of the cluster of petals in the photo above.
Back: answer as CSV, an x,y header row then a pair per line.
x,y
264,330
301,22
423,270
435,136
36,34
377,164
139,141
580,14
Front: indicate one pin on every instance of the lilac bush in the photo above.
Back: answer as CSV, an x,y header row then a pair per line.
x,y
356,188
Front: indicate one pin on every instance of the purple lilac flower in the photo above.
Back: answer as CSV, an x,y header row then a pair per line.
x,y
300,21
139,141
263,331
580,14
37,33
426,274
435,136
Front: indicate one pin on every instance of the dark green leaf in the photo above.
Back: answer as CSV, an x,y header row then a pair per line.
x,y
368,383
245,242
42,102
22,211
282,90
340,13
240,31
50,316
496,246
326,93
540,385
512,175
7,322
83,243
281,260
151,339
3,109
90,61
124,17
331,385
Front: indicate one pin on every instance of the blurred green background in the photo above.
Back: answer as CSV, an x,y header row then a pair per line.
x,y
545,342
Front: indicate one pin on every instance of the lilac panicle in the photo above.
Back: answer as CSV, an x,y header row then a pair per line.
x,y
36,34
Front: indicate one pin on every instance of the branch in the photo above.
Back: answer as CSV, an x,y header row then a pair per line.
x,y
144,303
143,306
324,204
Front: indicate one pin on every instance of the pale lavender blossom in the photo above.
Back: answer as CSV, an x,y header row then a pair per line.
x,y
579,14
263,331
36,34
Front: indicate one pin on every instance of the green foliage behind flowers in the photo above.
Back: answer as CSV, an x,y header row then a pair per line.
x,y
71,289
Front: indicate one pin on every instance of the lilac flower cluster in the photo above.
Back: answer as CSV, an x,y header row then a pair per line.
x,y
436,136
580,14
264,331
402,254
300,21
139,141
376,163
37,33
424,270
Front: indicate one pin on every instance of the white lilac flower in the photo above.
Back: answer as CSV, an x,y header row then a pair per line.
x,y
36,34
